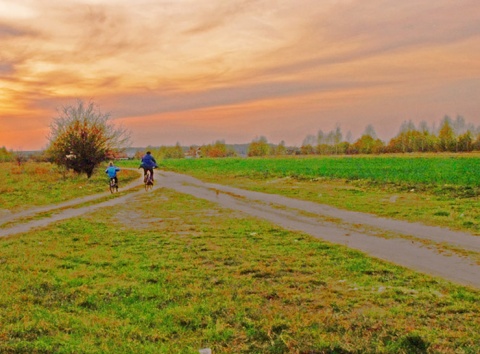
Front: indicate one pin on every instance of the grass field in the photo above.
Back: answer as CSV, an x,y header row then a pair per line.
x,y
169,273
441,190
35,184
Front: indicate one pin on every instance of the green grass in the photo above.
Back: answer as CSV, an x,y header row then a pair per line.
x,y
168,273
436,189
35,184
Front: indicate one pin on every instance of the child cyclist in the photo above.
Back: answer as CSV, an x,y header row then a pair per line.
x,y
112,172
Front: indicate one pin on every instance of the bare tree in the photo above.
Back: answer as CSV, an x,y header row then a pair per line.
x,y
370,131
310,140
349,137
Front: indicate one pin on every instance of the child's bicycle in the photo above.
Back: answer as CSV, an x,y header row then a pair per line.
x,y
113,186
148,181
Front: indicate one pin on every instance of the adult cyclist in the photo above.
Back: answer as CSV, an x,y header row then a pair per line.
x,y
148,164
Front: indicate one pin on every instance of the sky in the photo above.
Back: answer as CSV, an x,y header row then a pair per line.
x,y
198,71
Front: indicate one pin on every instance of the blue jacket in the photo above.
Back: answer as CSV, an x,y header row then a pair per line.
x,y
112,171
148,161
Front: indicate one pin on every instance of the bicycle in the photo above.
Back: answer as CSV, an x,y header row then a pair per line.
x,y
148,181
113,185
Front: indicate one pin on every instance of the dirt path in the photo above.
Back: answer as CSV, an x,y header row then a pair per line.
x,y
415,246
68,204
66,210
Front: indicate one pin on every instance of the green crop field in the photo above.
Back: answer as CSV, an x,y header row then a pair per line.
x,y
445,170
442,190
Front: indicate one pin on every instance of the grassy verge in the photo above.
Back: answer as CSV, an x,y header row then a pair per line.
x,y
168,273
35,184
455,204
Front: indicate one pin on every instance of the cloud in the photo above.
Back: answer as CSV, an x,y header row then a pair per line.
x,y
173,58
391,25
9,31
142,103
218,15
6,69
16,9
353,31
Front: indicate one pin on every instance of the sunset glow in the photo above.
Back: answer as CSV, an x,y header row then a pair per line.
x,y
193,71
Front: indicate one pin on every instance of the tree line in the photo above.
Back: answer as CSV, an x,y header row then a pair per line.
x,y
453,135
82,137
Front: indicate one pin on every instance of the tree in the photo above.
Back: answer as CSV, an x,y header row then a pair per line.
x,y
446,136
428,139
219,149
307,149
409,139
280,149
476,142
82,137
465,141
349,137
368,143
459,125
20,158
311,140
370,131
168,152
320,139
337,139
5,155
259,147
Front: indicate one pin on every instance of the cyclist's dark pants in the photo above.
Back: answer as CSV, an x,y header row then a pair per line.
x,y
115,179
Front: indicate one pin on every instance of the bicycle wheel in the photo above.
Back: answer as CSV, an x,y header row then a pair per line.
x,y
148,181
113,186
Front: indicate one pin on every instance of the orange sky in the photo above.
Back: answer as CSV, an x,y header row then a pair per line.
x,y
194,71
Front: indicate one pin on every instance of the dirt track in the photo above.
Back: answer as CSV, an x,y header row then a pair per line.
x,y
415,246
